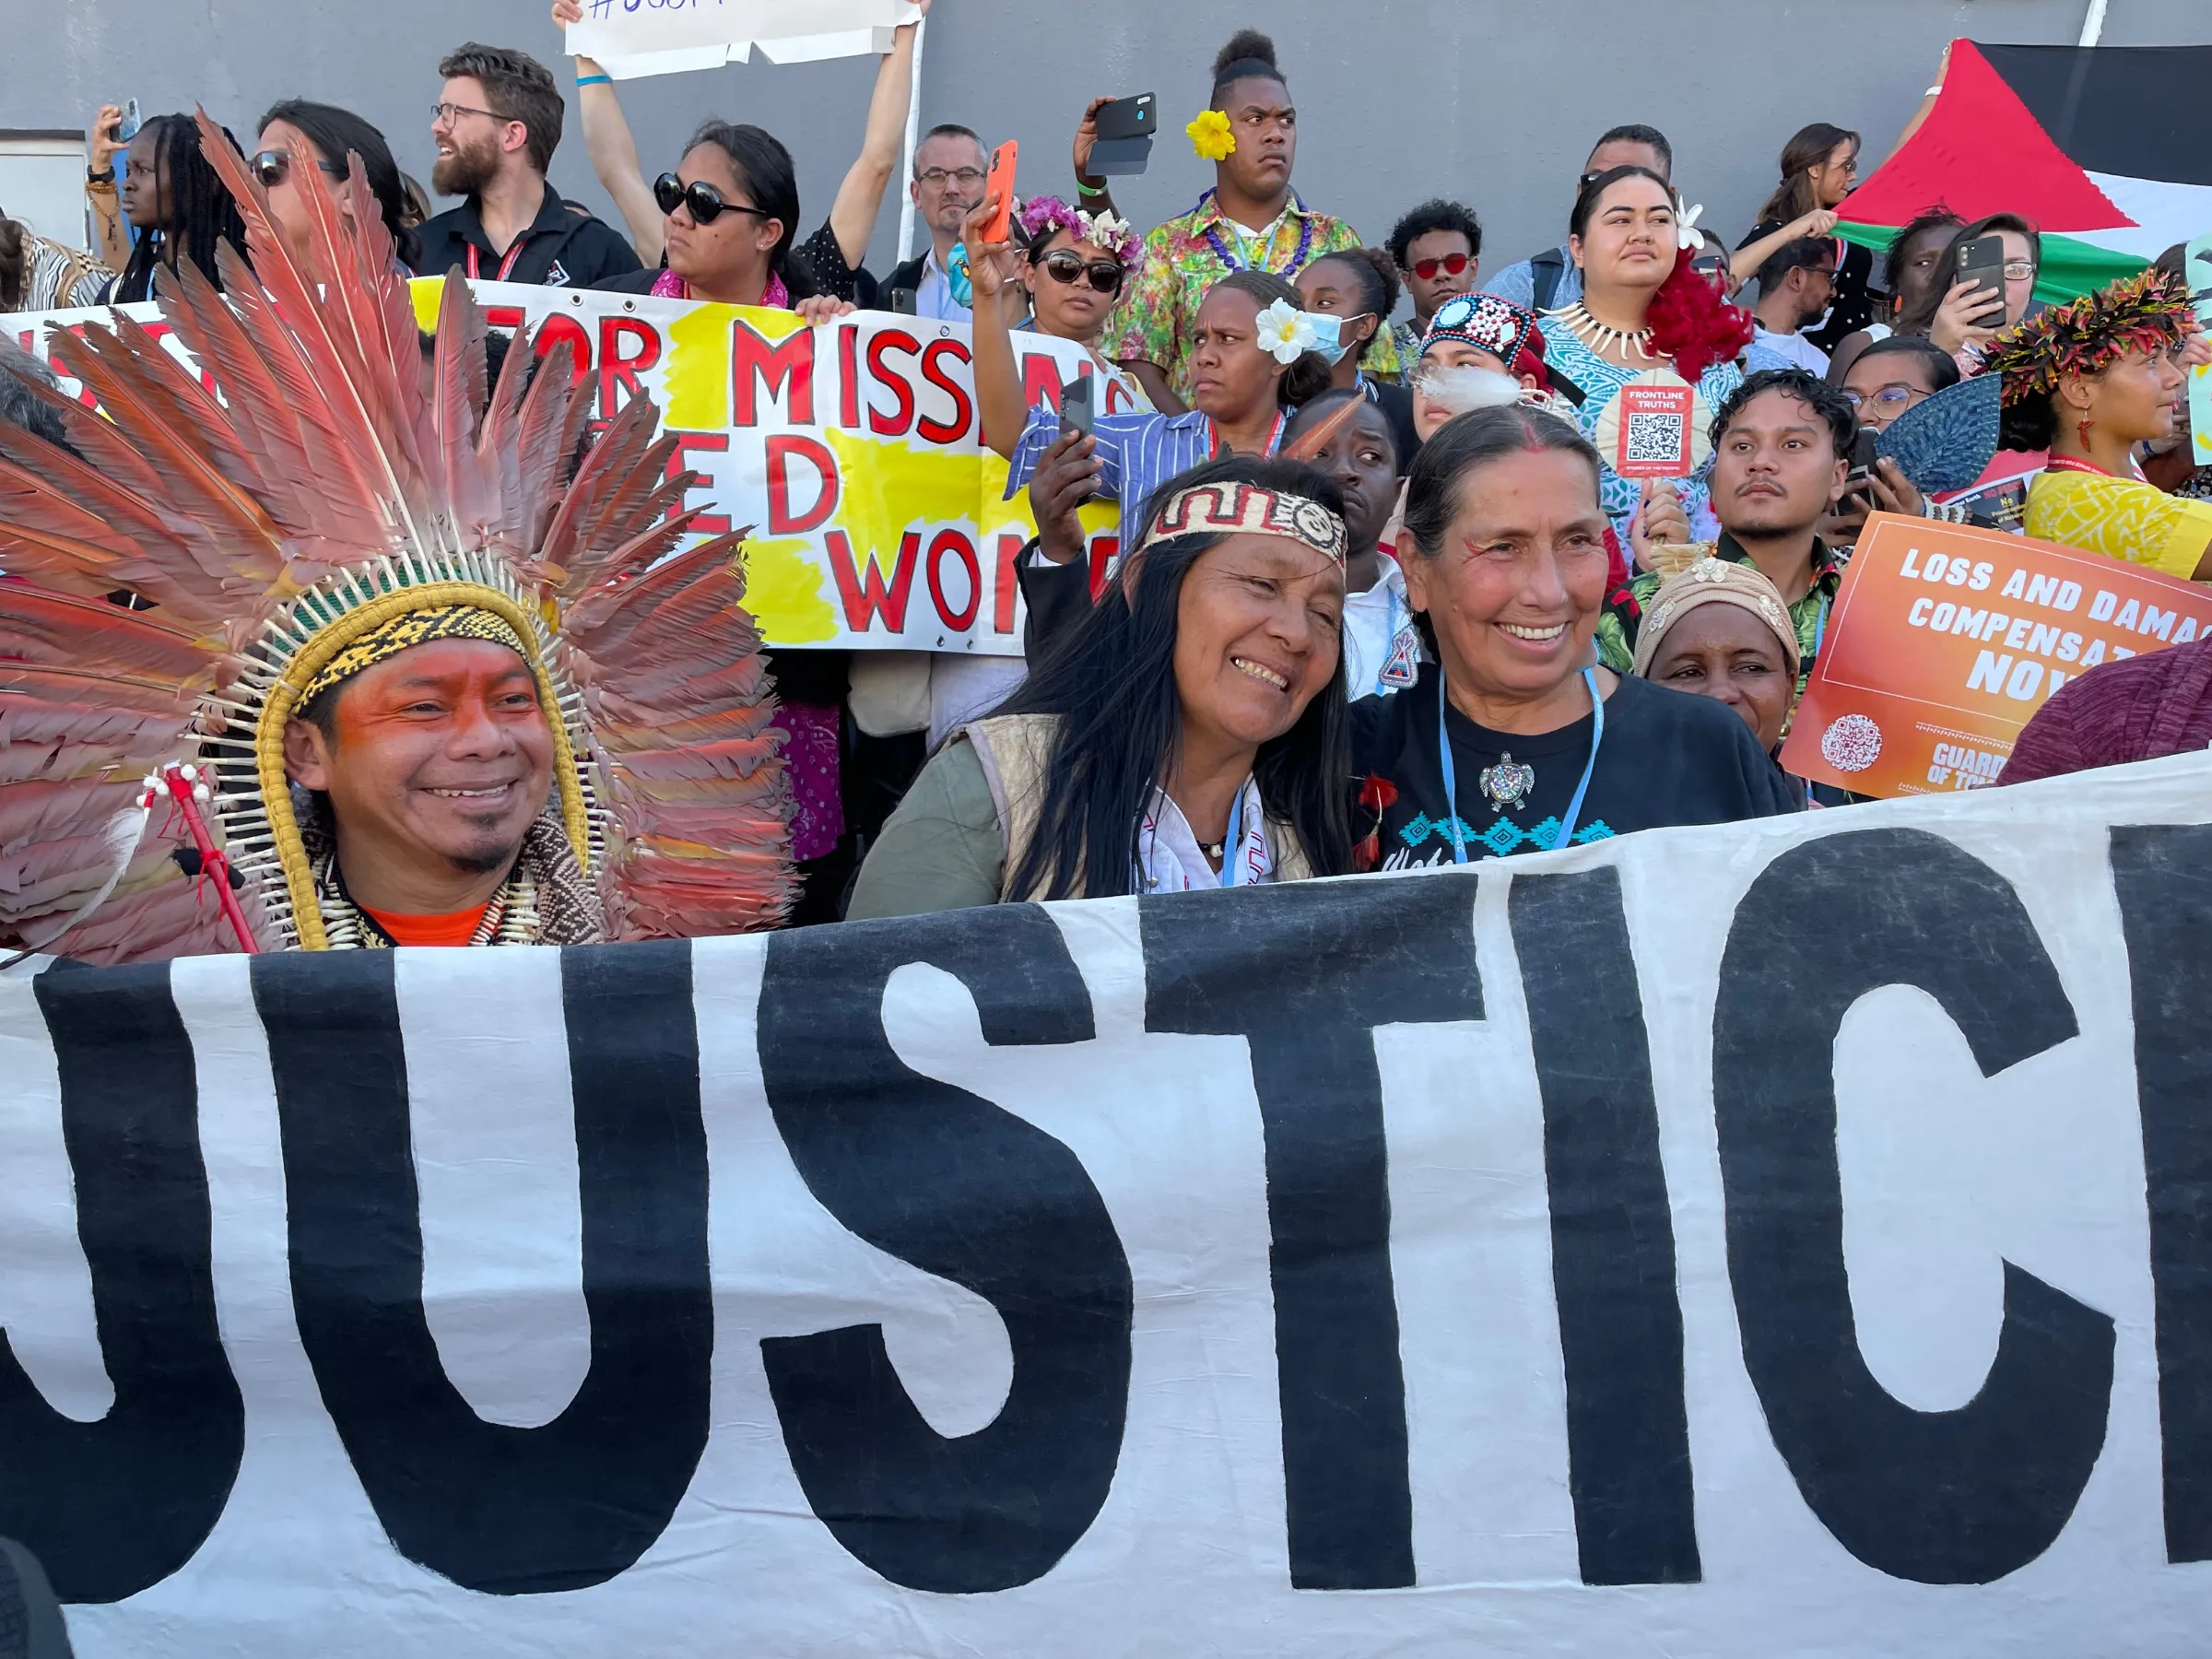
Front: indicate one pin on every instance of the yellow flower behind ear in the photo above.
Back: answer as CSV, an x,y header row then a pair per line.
x,y
1210,136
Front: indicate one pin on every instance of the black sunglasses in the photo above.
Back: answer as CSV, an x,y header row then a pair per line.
x,y
704,201
1063,265
273,167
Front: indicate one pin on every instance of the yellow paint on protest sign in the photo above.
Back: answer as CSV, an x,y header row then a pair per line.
x,y
887,489
695,387
427,293
783,592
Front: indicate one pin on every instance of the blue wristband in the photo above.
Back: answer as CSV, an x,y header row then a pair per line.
x,y
593,80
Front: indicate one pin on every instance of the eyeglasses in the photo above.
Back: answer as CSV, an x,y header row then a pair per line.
x,y
1891,399
937,178
1451,265
704,201
445,114
273,167
2019,270
1064,266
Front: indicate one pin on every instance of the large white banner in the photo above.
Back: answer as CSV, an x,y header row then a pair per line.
x,y
1782,1238
632,38
854,451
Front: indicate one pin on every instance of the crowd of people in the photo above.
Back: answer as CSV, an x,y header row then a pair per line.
x,y
1390,594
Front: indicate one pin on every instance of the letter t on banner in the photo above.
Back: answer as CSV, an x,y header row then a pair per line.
x,y
1342,959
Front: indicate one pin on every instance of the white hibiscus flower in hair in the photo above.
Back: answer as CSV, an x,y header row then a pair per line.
x,y
1105,232
1286,332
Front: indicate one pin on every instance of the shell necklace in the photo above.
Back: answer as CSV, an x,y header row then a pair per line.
x,y
1603,338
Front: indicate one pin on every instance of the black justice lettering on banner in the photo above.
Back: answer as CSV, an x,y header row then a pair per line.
x,y
1305,974
2163,875
1958,1497
947,1182
113,1506
1612,1233
498,1509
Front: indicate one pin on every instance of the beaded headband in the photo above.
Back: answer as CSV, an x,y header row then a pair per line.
x,y
1245,509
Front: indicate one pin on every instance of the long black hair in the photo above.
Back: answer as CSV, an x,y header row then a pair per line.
x,y
764,169
201,211
339,133
1110,680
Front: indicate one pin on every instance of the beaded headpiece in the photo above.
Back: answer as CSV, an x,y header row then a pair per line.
x,y
2150,312
1506,330
1246,509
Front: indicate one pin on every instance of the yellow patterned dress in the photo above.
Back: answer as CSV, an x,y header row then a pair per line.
x,y
2121,518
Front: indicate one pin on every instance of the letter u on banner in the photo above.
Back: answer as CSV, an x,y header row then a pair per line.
x,y
495,1508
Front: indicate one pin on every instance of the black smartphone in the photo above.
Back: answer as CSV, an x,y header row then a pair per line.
x,y
1983,261
1862,456
1076,407
1125,129
903,301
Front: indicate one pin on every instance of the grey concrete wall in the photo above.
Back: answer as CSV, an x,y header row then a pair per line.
x,y
1401,100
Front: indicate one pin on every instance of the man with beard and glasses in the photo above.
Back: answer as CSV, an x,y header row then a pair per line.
x,y
1781,455
1795,286
497,125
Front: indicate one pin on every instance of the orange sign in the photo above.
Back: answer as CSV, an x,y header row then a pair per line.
x,y
1945,638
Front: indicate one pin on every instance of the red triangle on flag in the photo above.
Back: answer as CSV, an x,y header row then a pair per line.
x,y
1979,152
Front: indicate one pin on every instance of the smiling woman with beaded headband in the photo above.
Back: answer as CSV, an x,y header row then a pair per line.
x,y
2089,381
1189,732
428,688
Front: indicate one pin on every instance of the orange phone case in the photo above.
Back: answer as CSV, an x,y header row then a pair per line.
x,y
1000,185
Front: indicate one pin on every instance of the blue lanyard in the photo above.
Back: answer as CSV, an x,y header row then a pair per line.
x,y
1574,807
1233,849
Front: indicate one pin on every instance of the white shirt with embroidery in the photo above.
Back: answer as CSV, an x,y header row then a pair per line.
x,y
1169,860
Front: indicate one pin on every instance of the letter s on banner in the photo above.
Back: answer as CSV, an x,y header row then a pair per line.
x,y
961,1189
1958,1497
498,1509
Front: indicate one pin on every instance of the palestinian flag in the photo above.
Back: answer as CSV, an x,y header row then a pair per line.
x,y
2102,148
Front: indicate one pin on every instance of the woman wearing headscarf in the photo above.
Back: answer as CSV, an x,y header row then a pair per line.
x,y
2089,381
1719,630
1189,732
1514,739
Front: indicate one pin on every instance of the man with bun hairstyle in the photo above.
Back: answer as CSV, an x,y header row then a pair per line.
x,y
1250,219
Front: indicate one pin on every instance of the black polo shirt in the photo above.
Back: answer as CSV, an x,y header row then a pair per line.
x,y
563,247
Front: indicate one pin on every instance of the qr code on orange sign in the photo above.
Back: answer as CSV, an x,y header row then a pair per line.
x,y
1654,435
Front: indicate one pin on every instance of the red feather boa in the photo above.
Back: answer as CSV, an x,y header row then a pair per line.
x,y
1692,324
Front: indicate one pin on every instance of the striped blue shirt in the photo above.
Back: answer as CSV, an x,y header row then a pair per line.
x,y
1137,453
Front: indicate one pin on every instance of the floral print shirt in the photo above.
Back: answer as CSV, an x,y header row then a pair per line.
x,y
1181,262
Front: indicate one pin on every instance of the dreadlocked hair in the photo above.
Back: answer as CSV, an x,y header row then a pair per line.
x,y
1110,680
201,212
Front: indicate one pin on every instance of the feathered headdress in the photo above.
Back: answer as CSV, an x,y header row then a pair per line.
x,y
2149,312
319,487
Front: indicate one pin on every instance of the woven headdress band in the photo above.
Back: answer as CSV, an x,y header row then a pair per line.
x,y
411,629
1247,509
2150,312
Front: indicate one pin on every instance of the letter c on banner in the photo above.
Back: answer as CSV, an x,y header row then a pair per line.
x,y
497,1509
1958,1497
949,1183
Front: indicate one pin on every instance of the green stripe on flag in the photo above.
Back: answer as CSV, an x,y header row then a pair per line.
x,y
2071,267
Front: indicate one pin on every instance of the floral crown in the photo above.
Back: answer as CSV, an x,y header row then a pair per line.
x,y
2147,312
1041,216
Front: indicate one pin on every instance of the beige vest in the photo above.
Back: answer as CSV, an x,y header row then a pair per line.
x,y
1015,749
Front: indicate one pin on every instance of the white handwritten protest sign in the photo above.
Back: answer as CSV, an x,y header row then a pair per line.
x,y
633,37
853,449
1764,1240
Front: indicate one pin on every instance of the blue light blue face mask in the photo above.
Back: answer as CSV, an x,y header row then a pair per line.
x,y
1328,336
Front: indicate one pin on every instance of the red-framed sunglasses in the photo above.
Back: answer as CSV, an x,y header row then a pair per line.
x,y
1451,265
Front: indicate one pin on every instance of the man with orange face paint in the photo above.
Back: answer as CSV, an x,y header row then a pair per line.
x,y
431,771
